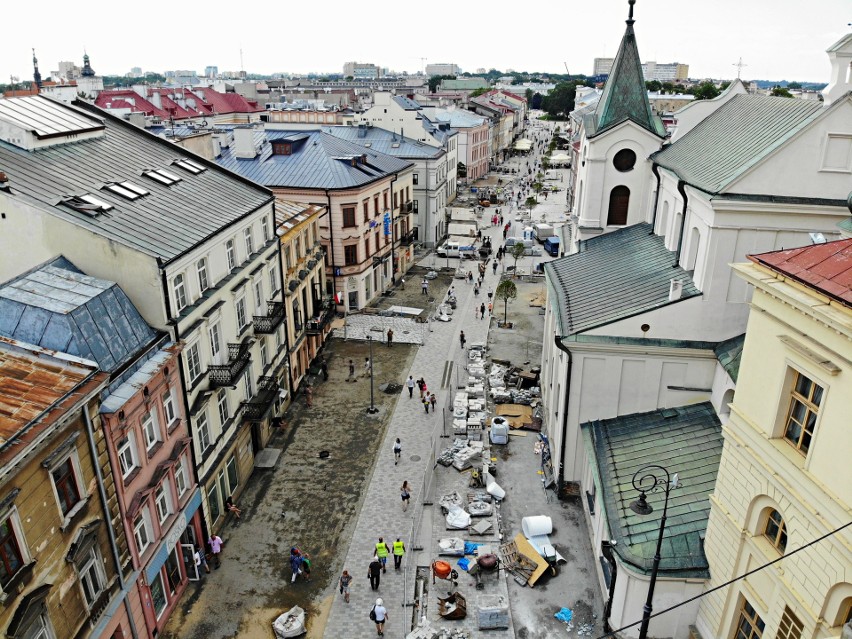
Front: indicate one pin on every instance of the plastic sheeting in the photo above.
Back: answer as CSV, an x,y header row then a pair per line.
x,y
458,518
536,529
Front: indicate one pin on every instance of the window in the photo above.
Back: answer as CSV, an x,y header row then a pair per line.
x,y
65,481
213,502
264,358
349,216
215,334
844,615
619,199
180,477
350,254
247,235
224,410
750,625
366,211
624,160
775,530
231,253
273,279
415,179
151,430
189,165
162,176
12,557
415,206
802,416
203,432
385,200
141,530
282,148
376,206
242,316
233,477
163,499
258,297
127,454
264,228
193,363
127,190
203,282
91,576
169,408
790,627
179,288
249,387
38,627
158,595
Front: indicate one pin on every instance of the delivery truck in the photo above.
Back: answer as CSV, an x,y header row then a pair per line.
x,y
542,232
551,245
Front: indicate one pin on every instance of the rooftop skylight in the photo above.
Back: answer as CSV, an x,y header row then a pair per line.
x,y
162,176
188,165
127,190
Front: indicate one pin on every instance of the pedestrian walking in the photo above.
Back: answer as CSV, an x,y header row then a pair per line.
x,y
374,572
398,552
351,377
367,366
309,395
490,295
410,384
482,311
405,495
433,401
425,388
382,552
295,564
476,290
420,383
424,287
489,308
306,566
200,561
345,582
397,451
390,337
216,544
324,369
426,403
380,614
462,339
494,267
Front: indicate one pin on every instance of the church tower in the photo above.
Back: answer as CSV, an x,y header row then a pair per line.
x,y
89,85
612,187
36,73
87,71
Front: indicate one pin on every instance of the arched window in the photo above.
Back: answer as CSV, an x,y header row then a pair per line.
x,y
844,614
619,200
727,398
775,530
694,243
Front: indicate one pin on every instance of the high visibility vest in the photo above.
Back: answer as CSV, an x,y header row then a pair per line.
x,y
398,548
381,550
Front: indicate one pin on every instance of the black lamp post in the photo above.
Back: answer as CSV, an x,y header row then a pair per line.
x,y
646,480
372,410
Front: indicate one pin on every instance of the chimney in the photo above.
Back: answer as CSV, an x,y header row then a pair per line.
x,y
675,290
362,130
155,99
244,143
136,118
141,90
216,146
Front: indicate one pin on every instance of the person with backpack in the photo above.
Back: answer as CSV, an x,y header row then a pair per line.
x,y
379,614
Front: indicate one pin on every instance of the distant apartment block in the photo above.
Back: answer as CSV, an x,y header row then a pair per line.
x,y
360,70
211,72
442,68
602,66
651,70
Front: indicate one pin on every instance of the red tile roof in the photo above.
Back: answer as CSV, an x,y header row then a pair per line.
x,y
826,268
229,102
178,103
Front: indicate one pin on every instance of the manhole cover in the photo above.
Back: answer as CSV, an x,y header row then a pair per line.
x,y
415,458
405,332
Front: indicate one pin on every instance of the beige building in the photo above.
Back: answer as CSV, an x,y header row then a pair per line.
x,y
785,482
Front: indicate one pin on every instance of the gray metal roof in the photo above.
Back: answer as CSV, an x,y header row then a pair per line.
x,y
122,392
46,118
614,276
734,138
686,440
457,118
55,306
386,142
318,160
407,104
166,223
729,353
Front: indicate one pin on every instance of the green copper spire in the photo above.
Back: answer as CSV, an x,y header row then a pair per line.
x,y
625,96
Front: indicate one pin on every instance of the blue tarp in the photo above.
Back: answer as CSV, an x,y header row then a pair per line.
x,y
464,563
565,615
470,547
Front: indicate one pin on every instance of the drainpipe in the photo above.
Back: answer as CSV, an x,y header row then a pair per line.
x,y
655,169
113,546
393,224
560,482
606,551
680,187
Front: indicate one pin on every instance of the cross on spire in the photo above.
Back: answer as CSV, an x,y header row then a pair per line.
x,y
739,66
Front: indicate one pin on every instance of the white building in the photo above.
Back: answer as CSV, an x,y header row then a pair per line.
x,y
131,212
442,68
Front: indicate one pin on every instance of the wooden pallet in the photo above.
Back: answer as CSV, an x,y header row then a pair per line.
x,y
519,565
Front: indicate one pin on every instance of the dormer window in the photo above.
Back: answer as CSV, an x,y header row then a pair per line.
x,y
282,148
162,176
88,204
127,190
188,165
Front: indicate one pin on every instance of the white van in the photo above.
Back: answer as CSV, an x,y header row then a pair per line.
x,y
454,249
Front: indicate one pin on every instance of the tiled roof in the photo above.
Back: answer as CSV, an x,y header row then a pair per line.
x,y
228,102
729,353
386,142
57,307
318,161
826,268
167,222
625,96
614,276
735,138
689,440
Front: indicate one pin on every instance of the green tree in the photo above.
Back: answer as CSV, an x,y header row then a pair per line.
x,y
653,85
794,85
528,94
536,101
531,203
780,92
435,80
506,290
461,170
477,92
517,253
704,91
349,78
560,101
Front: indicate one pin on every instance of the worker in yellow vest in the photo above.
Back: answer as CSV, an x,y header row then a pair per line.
x,y
398,552
382,552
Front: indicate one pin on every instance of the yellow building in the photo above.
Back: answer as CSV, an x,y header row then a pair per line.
x,y
784,488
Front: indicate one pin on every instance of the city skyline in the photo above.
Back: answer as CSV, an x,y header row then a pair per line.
x,y
775,40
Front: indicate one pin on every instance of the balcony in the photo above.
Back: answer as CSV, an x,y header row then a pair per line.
x,y
239,356
405,208
409,238
259,406
316,325
267,324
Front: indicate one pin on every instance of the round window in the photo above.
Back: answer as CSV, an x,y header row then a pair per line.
x,y
624,160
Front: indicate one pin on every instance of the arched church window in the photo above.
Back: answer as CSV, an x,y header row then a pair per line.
x,y
619,200
624,160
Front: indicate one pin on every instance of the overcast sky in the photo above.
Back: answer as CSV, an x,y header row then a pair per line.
x,y
777,39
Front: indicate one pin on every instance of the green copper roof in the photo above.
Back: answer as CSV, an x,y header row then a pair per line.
x,y
689,439
729,353
625,96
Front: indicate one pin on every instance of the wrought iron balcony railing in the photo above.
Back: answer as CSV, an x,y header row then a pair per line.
x,y
274,316
259,406
239,356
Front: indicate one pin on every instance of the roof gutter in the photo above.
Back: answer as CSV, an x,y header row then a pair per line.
x,y
682,190
655,169
393,227
560,481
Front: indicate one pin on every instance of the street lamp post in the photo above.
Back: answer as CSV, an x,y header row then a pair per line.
x,y
372,410
646,480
